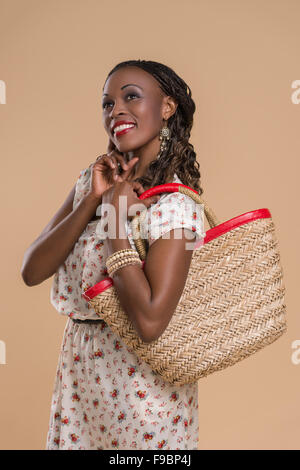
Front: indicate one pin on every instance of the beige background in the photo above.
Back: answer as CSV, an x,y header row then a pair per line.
x,y
240,59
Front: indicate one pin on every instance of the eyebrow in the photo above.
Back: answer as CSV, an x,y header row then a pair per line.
x,y
128,84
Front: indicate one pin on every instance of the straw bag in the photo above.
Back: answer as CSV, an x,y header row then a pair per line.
x,y
232,304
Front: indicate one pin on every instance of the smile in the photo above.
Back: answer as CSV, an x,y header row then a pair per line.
x,y
120,130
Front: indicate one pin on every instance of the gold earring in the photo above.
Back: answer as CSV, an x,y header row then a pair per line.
x,y
164,136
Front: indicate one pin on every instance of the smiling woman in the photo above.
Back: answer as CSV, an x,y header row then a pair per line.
x,y
104,396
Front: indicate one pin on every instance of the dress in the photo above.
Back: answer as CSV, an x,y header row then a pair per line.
x,y
104,396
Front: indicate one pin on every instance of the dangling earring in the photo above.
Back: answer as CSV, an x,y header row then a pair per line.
x,y
164,136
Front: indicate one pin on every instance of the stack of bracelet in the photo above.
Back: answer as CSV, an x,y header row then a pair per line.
x,y
122,258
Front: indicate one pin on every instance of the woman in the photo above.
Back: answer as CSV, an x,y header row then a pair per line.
x,y
104,396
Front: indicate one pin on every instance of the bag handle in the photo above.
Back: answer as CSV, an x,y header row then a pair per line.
x,y
139,242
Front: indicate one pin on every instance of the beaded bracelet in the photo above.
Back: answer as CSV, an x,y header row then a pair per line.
x,y
120,254
112,259
125,257
122,258
121,264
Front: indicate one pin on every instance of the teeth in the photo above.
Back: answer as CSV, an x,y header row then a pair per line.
x,y
124,126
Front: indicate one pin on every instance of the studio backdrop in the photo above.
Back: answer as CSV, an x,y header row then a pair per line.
x,y
241,61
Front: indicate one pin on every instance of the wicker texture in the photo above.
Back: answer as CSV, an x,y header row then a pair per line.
x,y
232,305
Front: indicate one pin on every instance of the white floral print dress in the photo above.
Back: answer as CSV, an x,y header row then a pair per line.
x,y
104,396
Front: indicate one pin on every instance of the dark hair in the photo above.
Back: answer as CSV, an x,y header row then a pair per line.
x,y
179,156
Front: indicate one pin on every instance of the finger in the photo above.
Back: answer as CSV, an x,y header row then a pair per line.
x,y
130,165
137,187
120,158
119,161
118,179
151,200
114,164
126,173
101,158
133,161
108,168
106,160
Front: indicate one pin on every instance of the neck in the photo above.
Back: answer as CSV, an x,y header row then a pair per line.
x,y
146,155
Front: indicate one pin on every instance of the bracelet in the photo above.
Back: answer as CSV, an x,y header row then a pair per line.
x,y
112,259
119,262
121,254
121,258
120,265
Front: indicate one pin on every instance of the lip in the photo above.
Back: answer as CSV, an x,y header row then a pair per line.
x,y
124,131
119,123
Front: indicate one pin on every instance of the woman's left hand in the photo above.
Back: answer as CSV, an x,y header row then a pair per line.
x,y
132,190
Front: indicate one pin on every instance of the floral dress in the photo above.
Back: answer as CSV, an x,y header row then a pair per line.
x,y
104,397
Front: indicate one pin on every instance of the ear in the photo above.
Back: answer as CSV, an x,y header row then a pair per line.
x,y
169,107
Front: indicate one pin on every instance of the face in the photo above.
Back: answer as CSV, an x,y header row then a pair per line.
x,y
132,95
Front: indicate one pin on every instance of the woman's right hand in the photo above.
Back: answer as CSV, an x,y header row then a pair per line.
x,y
105,170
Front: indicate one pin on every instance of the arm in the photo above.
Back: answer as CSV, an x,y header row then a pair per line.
x,y
151,305
52,247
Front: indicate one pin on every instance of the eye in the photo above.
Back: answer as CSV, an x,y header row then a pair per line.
x,y
108,102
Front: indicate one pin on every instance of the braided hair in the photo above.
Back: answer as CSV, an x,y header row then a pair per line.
x,y
179,156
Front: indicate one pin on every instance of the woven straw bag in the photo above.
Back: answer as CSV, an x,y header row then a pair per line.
x,y
232,304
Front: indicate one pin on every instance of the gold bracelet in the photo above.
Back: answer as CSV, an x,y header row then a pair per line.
x,y
112,272
120,262
110,261
120,253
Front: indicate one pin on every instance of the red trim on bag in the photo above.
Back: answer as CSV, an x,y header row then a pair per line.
x,y
164,188
106,283
233,223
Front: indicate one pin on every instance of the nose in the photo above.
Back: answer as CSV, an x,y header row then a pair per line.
x,y
116,110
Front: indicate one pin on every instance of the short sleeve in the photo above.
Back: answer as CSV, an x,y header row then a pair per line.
x,y
82,186
172,211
